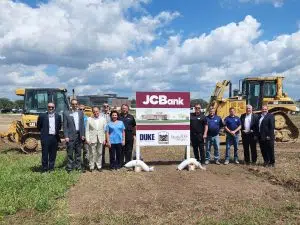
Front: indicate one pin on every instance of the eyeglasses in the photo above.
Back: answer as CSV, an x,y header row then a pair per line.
x,y
105,106
197,108
81,109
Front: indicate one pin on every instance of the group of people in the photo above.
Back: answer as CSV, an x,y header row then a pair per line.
x,y
87,138
253,128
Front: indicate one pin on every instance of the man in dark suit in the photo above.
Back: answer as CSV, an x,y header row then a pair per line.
x,y
73,121
49,124
266,124
249,134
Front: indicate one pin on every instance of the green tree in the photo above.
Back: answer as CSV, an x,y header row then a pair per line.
x,y
19,104
5,103
201,101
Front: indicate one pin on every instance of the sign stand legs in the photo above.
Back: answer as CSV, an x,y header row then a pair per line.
x,y
189,162
138,164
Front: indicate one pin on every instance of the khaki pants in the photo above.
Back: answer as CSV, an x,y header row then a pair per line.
x,y
95,155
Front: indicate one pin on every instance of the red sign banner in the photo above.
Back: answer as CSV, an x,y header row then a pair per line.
x,y
163,100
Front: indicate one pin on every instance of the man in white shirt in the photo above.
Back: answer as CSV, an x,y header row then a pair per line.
x,y
267,136
49,124
95,137
249,134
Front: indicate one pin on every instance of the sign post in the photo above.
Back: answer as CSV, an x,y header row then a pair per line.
x,y
163,119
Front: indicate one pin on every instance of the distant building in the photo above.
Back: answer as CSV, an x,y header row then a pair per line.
x,y
97,100
155,117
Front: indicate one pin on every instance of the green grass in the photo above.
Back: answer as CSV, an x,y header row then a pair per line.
x,y
23,188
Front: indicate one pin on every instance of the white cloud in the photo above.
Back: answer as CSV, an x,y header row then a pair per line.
x,y
75,33
94,52
276,3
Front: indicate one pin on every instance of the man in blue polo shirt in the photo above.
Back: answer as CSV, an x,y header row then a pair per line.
x,y
214,123
232,128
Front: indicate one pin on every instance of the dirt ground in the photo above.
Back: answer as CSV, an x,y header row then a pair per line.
x,y
236,194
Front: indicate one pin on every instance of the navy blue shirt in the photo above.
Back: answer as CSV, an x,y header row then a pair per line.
x,y
214,125
232,122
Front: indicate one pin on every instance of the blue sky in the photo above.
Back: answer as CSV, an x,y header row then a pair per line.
x,y
202,16
102,46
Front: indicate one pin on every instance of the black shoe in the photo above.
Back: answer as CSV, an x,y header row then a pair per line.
x,y
271,165
265,164
44,171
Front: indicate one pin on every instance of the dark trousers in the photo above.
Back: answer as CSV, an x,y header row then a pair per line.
x,y
267,151
198,147
49,150
126,153
74,154
85,155
115,152
249,142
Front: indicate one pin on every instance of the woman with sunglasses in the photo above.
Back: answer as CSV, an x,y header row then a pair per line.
x,y
115,137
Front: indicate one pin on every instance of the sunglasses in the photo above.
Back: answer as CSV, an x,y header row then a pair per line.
x,y
50,107
81,109
197,108
105,106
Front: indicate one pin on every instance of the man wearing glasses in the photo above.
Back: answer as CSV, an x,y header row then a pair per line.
x,y
49,124
74,135
198,128
106,115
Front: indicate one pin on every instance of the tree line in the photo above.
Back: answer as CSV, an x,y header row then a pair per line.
x,y
8,104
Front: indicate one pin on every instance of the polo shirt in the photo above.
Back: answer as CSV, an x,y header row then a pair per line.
x,y
232,122
214,125
197,123
115,131
129,123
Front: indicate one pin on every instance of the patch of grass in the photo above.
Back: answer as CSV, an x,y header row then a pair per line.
x,y
22,187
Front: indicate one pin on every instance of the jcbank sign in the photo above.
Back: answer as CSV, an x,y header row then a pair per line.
x,y
162,100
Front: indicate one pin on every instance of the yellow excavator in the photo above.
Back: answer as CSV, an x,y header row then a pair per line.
x,y
24,131
258,91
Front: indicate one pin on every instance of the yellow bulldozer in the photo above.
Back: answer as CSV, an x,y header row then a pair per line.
x,y
258,91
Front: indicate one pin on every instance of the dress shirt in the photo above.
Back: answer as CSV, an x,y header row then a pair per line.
x,y
247,122
51,123
106,116
261,119
97,122
76,119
